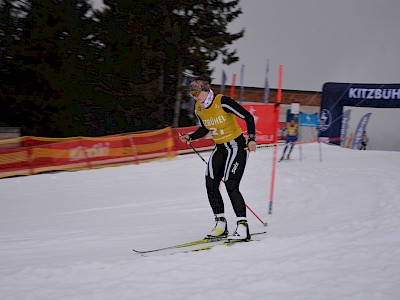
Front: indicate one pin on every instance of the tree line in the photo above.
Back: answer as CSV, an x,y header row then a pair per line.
x,y
69,70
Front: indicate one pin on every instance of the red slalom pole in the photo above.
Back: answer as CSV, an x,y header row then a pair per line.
x,y
277,113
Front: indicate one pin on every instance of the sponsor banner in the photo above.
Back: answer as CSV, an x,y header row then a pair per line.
x,y
50,154
264,119
337,95
362,125
374,93
30,141
204,142
157,141
83,153
343,130
309,120
14,159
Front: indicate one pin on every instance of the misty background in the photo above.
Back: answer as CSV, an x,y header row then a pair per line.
x,y
316,41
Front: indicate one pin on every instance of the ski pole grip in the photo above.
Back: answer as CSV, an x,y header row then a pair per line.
x,y
188,141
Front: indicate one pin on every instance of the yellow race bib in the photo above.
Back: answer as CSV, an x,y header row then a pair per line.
x,y
222,125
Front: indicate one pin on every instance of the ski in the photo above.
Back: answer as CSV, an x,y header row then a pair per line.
x,y
194,243
211,241
284,159
227,243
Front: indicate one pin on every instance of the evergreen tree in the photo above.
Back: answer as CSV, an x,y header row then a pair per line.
x,y
131,74
54,39
42,69
67,71
199,36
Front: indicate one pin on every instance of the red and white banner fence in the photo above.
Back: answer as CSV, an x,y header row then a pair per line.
x,y
31,155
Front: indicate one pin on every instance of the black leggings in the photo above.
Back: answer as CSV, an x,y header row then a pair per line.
x,y
227,162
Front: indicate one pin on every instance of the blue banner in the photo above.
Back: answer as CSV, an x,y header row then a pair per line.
x,y
337,95
343,130
309,120
362,125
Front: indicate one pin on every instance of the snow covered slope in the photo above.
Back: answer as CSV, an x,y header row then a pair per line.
x,y
334,232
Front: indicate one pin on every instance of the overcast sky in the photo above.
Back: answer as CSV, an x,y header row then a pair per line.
x,y
316,41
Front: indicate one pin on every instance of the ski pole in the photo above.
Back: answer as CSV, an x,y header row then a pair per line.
x,y
202,158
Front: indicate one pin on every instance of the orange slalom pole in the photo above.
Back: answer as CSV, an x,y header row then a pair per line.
x,y
277,113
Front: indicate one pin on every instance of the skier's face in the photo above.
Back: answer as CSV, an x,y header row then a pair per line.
x,y
199,96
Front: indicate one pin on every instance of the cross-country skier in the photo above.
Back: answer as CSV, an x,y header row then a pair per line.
x,y
291,137
216,114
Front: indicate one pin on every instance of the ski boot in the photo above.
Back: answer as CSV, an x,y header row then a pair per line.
x,y
242,232
220,230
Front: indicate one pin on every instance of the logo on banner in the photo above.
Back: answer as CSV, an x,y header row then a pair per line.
x,y
363,93
343,130
252,110
325,120
264,118
97,150
310,120
362,125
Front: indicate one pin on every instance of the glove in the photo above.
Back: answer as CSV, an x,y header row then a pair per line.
x,y
185,138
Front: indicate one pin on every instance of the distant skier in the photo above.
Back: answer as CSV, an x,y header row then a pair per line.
x,y
291,138
364,141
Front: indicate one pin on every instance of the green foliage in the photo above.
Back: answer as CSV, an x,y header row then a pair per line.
x,y
67,70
